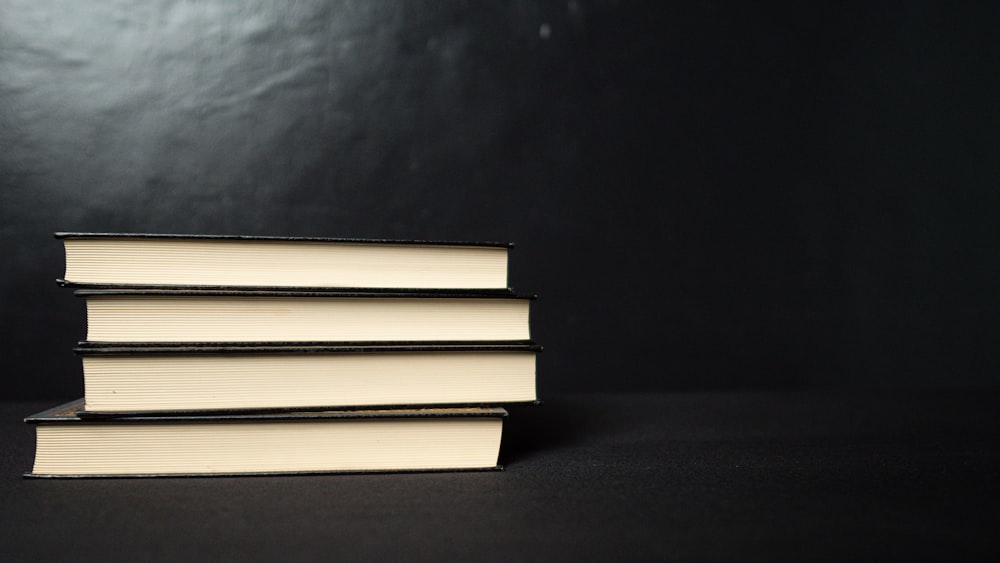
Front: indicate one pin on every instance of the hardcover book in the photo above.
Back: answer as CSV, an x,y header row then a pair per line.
x,y
264,444
118,260
152,377
170,315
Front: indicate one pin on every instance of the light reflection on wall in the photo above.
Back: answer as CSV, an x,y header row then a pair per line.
x,y
189,97
216,112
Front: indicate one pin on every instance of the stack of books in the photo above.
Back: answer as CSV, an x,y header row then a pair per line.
x,y
209,355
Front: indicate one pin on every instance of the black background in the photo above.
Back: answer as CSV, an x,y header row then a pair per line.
x,y
772,207
705,195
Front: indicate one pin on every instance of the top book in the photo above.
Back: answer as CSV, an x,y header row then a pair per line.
x,y
123,259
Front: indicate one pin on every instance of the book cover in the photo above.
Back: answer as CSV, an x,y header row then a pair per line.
x,y
208,261
241,315
150,377
378,241
175,445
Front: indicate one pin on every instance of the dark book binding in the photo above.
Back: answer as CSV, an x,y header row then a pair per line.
x,y
95,416
29,475
141,348
214,289
67,414
416,242
229,291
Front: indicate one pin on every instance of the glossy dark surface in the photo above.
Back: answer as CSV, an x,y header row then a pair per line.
x,y
703,195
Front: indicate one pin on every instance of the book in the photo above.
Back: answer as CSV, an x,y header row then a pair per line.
x,y
121,260
150,378
171,315
265,444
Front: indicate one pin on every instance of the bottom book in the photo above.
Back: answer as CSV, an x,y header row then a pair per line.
x,y
439,439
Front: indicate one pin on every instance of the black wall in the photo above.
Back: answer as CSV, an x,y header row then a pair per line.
x,y
705,195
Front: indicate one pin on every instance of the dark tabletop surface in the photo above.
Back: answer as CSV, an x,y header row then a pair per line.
x,y
883,475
